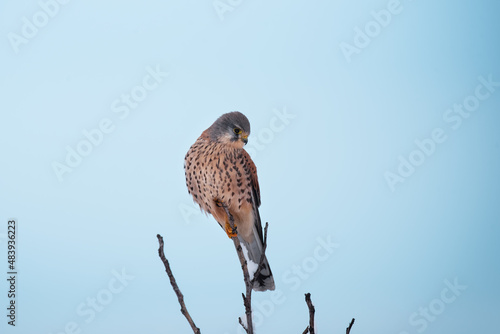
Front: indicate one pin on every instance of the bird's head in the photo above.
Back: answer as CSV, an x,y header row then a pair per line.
x,y
232,129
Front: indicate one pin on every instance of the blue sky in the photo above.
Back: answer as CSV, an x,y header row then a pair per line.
x,y
378,165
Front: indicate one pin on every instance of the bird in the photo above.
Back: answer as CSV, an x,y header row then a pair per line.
x,y
220,176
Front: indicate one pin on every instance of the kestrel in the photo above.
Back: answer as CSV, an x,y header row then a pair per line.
x,y
219,172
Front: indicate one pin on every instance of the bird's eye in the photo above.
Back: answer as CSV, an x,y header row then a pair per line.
x,y
237,131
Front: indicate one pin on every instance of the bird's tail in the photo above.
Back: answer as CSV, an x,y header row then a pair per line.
x,y
253,252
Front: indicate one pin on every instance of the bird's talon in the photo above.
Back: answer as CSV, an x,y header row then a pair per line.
x,y
231,232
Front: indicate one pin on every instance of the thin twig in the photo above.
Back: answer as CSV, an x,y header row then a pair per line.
x,y
247,298
311,313
242,324
348,329
177,291
306,330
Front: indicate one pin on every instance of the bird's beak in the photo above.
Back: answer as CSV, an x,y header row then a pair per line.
x,y
244,139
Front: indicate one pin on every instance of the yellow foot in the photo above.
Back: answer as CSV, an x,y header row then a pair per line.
x,y
231,232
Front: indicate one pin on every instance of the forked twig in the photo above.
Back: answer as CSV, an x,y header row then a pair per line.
x,y
247,298
177,291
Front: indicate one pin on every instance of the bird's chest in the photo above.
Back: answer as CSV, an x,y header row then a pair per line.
x,y
224,172
213,170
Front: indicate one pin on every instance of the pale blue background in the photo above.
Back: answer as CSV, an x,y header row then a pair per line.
x,y
323,175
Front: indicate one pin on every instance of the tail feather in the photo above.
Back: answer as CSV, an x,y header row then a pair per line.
x,y
253,253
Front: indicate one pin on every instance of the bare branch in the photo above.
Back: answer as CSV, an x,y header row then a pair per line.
x,y
311,313
247,299
177,291
348,329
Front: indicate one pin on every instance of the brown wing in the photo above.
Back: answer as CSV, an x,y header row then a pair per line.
x,y
253,174
265,279
252,169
